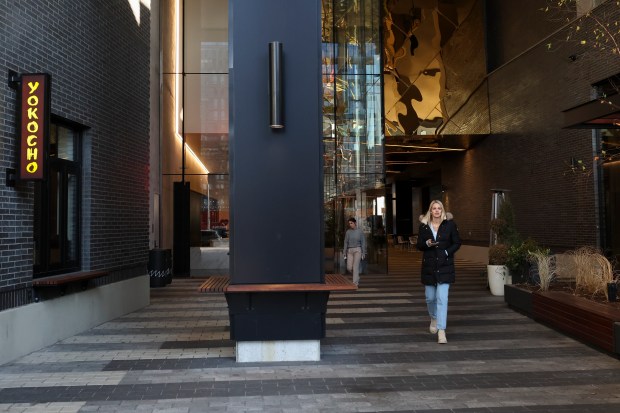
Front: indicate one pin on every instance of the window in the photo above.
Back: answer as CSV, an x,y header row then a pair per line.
x,y
57,204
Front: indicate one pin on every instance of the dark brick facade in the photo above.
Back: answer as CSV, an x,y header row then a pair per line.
x,y
98,56
527,151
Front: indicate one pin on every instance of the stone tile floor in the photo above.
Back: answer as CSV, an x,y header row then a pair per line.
x,y
175,356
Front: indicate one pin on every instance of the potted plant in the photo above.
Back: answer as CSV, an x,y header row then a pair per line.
x,y
496,270
518,262
504,228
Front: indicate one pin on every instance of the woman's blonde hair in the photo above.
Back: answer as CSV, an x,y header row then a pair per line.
x,y
425,219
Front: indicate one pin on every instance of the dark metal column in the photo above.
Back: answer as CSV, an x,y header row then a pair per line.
x,y
276,172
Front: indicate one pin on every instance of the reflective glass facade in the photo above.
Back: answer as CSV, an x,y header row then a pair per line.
x,y
195,123
353,127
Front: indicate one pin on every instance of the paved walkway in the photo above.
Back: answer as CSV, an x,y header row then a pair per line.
x,y
175,356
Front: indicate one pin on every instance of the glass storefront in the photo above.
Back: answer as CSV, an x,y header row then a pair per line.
x,y
374,54
352,129
195,126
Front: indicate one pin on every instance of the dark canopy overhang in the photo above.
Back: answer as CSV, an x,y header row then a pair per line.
x,y
602,113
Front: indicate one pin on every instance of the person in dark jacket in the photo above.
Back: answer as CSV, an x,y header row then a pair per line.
x,y
438,238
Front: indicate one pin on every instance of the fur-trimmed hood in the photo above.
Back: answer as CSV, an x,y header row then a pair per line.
x,y
449,217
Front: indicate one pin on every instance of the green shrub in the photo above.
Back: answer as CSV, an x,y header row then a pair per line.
x,y
498,254
518,254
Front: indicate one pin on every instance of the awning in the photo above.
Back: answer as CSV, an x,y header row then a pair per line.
x,y
598,114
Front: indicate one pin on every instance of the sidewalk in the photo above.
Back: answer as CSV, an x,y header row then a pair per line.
x,y
175,356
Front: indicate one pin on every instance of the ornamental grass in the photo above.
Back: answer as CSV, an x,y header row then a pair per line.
x,y
592,271
546,267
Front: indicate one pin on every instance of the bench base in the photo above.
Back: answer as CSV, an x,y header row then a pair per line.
x,y
277,312
270,351
279,316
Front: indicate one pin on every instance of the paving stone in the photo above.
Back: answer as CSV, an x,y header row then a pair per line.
x,y
175,356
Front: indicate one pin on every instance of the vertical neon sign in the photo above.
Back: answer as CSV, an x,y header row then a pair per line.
x,y
34,123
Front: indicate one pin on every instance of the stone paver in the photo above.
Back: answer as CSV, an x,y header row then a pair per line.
x,y
175,356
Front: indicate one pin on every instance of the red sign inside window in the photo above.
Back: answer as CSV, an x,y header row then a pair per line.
x,y
35,103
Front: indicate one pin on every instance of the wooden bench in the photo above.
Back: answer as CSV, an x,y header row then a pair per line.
x,y
70,278
214,284
293,311
221,284
58,285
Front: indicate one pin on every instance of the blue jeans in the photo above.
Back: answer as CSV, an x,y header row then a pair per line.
x,y
437,303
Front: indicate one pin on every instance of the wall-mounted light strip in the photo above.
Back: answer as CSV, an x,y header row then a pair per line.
x,y
405,162
430,148
177,93
275,85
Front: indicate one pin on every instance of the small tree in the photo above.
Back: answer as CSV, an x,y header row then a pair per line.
x,y
504,225
498,254
588,29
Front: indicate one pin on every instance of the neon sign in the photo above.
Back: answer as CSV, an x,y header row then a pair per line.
x,y
34,121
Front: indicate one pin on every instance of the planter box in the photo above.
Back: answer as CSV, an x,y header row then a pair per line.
x,y
519,299
588,321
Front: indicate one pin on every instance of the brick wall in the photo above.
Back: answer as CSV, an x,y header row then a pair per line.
x,y
98,57
528,152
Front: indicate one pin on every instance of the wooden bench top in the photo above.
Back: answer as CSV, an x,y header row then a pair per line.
x,y
221,284
63,279
214,284
593,307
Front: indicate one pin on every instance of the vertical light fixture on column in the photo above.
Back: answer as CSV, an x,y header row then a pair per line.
x,y
275,85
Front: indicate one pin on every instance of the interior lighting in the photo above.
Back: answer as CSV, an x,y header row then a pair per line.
x,y
431,148
178,109
405,162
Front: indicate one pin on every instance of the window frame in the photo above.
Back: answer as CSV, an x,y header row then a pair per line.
x,y
43,267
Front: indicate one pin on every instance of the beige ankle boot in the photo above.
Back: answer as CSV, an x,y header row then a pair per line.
x,y
433,326
441,337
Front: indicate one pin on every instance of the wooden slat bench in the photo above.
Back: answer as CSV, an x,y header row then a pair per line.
x,y
214,284
221,284
70,278
285,311
59,285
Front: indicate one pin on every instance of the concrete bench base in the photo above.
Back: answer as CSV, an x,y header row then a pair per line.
x,y
267,351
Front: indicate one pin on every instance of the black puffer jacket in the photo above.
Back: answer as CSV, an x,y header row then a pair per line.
x,y
437,266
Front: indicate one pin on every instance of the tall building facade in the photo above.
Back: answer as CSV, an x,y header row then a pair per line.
x,y
88,212
422,100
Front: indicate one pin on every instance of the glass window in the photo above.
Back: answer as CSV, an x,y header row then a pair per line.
x,y
56,209
195,125
195,122
353,128
62,143
610,159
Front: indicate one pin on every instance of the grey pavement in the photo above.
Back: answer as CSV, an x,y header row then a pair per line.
x,y
378,356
